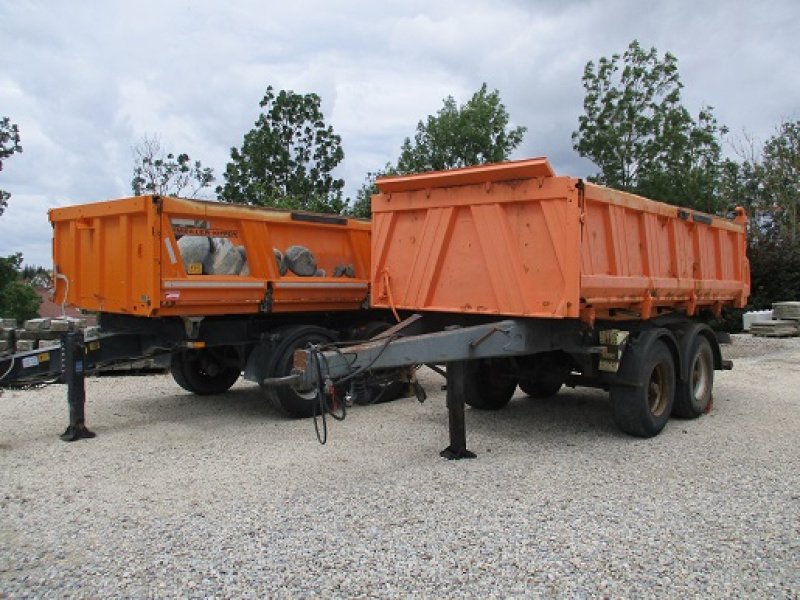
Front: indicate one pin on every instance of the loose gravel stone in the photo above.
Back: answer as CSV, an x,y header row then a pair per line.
x,y
221,497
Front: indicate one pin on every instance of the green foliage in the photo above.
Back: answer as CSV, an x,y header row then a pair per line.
x,y
18,300
767,184
162,173
775,271
9,145
741,185
475,133
287,159
636,130
781,169
36,276
9,269
361,207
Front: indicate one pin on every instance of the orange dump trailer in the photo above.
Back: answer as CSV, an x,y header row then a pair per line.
x,y
514,239
155,256
522,279
223,288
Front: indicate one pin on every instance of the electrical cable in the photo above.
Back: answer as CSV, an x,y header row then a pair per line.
x,y
321,407
10,366
66,289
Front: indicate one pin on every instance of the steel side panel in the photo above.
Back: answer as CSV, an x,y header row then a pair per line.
x,y
636,249
503,247
537,245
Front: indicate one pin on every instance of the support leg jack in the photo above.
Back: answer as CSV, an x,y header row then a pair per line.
x,y
455,413
73,355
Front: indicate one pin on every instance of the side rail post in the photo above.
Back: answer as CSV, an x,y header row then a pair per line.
x,y
73,367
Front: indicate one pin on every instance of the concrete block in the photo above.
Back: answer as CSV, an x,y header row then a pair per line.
x,y
8,323
25,345
5,346
776,328
786,310
76,323
26,334
48,344
60,325
91,333
754,316
37,324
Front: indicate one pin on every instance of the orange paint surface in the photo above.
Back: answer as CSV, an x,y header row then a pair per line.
x,y
514,239
122,256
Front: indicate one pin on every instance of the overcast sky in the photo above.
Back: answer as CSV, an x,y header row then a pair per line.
x,y
86,80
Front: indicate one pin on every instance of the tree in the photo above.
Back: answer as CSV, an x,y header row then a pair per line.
x,y
639,134
288,158
162,173
781,170
766,181
36,276
475,133
361,206
18,300
9,145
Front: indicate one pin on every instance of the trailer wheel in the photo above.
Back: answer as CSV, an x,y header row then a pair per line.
x,y
693,396
293,402
489,383
643,410
207,371
540,388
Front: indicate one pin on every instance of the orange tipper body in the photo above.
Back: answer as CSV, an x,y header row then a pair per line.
x,y
514,239
124,256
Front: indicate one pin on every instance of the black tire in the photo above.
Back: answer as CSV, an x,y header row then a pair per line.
x,y
540,388
489,383
643,410
206,371
295,403
694,396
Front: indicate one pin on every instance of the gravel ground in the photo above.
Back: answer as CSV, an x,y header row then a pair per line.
x,y
181,496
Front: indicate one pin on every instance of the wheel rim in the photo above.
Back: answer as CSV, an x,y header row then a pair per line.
x,y
658,390
701,370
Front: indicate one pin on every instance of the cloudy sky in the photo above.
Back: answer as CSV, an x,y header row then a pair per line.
x,y
86,80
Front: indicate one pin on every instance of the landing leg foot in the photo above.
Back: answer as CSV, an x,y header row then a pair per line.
x,y
451,453
77,432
